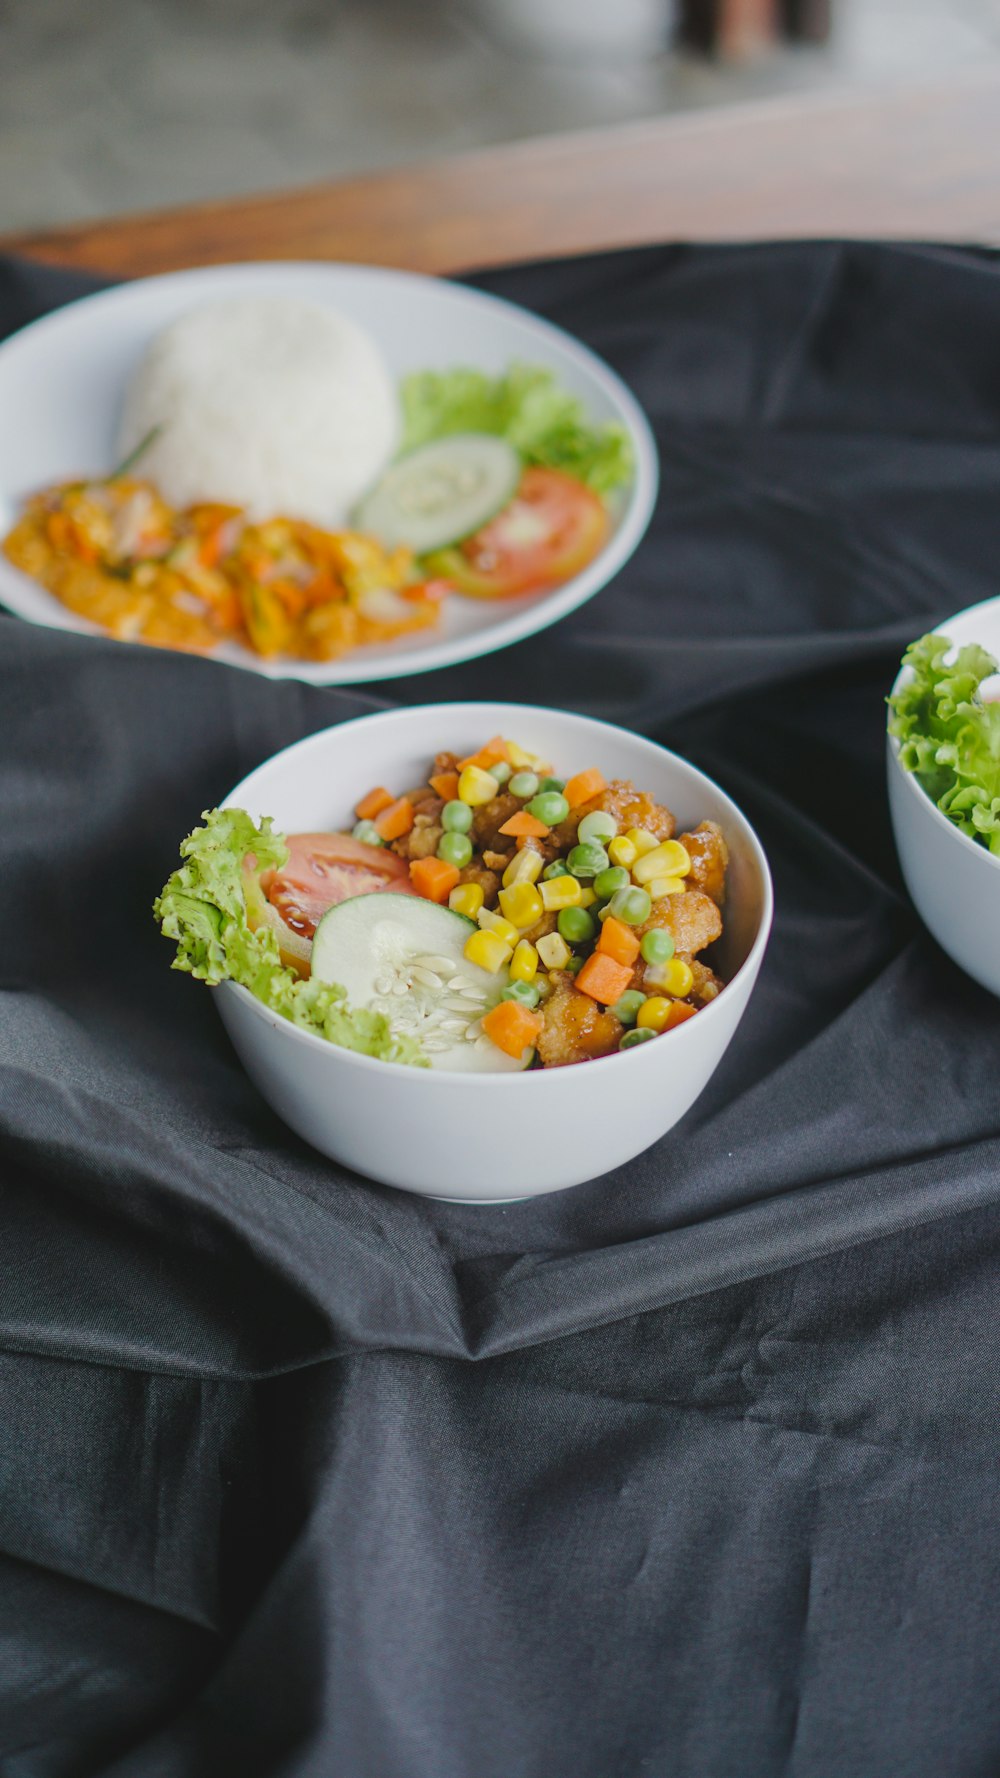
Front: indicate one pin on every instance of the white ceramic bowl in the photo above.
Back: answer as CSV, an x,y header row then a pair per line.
x,y
63,379
954,881
489,1138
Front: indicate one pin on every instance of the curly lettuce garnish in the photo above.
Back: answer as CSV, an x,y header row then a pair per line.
x,y
545,423
213,907
949,737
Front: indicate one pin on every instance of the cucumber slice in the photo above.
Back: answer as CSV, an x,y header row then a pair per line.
x,y
404,957
442,492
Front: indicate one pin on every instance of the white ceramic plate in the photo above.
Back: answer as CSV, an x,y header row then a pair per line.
x,y
62,381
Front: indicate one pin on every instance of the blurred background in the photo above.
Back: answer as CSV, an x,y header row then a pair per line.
x,y
112,105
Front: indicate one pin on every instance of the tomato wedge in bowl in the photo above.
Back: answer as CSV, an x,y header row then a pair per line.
x,y
322,869
553,528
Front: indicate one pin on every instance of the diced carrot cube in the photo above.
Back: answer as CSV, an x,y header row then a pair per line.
x,y
679,1011
445,784
525,826
396,820
584,787
603,979
490,755
512,1028
433,878
373,804
618,941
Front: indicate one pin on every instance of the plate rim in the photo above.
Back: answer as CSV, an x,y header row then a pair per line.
x,y
515,627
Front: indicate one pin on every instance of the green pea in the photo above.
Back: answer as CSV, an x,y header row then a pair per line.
x,y
587,861
598,827
607,881
524,783
552,784
626,1009
549,806
556,869
632,905
368,832
456,817
525,993
641,1034
455,848
657,946
574,966
501,771
576,925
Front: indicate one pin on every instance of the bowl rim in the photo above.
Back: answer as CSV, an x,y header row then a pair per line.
x,y
529,616
914,787
507,1081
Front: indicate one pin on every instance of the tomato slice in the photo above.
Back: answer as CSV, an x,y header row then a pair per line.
x,y
324,868
551,529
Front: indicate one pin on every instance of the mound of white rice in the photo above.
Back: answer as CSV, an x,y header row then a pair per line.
x,y
265,402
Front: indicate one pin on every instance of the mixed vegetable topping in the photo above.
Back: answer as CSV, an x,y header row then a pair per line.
x,y
494,916
946,718
499,491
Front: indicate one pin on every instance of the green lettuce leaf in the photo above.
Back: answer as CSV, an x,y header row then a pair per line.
x,y
948,737
210,908
527,407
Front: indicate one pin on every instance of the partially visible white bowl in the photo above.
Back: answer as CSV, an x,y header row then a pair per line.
x,y
953,880
491,1138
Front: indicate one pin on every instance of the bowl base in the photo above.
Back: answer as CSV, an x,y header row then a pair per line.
x,y
433,1198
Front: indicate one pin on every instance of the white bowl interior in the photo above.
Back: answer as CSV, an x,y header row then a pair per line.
x,y
64,378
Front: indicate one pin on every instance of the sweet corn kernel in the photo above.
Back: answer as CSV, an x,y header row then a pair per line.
x,y
653,1014
524,963
669,859
560,892
587,897
679,863
660,886
674,977
622,850
476,786
554,951
641,840
524,867
522,905
523,761
488,951
467,899
488,921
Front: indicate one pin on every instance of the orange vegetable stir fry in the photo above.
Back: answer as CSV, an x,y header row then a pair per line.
x,y
583,895
114,552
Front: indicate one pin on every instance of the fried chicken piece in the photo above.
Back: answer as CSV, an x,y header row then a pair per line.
x,y
576,1029
422,839
706,983
709,855
692,920
487,821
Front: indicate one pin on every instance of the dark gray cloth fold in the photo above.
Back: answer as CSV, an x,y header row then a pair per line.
x,y
687,1473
